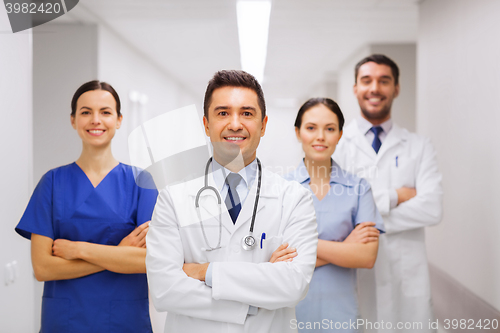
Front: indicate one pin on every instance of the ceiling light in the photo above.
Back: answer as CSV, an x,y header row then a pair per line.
x,y
253,31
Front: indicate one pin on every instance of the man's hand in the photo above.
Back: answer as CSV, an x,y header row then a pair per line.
x,y
283,253
363,233
137,237
405,194
65,249
196,271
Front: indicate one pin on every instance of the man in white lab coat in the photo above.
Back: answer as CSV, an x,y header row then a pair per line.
x,y
403,171
205,287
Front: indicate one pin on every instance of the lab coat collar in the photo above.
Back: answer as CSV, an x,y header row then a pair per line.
x,y
354,135
364,125
337,175
394,137
248,174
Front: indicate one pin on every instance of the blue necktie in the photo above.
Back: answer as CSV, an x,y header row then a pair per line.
x,y
376,140
232,201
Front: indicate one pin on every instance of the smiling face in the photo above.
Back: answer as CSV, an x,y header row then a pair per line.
x,y
375,90
96,119
234,124
319,133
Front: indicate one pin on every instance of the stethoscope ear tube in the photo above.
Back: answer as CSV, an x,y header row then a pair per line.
x,y
197,205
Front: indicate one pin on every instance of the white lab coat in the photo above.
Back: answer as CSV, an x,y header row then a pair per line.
x,y
240,278
397,289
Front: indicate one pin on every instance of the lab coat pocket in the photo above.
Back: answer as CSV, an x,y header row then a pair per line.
x,y
403,171
130,316
268,247
55,315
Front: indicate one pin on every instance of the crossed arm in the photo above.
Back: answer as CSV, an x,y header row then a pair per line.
x,y
358,250
62,259
420,206
282,254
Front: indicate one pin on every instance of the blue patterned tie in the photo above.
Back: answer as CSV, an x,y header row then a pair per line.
x,y
232,201
376,140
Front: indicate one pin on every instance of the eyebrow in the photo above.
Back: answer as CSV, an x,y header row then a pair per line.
x,y
330,124
382,77
248,108
104,108
224,107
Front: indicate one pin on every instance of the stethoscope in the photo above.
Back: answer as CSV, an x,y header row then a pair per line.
x,y
248,242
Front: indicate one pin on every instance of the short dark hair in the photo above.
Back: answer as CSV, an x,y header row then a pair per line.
x,y
233,78
381,60
95,85
329,103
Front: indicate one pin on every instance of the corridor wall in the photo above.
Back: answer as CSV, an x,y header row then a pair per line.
x,y
458,72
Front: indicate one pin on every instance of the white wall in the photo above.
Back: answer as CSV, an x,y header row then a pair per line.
x,y
279,149
16,299
128,69
458,92
403,107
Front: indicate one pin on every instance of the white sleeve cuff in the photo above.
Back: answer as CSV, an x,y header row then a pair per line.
x,y
393,198
208,275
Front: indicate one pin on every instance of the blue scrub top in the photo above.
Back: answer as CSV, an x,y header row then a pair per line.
x,y
66,205
332,298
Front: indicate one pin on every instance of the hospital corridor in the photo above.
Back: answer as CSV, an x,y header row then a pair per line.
x,y
399,97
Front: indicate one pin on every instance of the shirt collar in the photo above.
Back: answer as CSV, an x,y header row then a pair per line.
x,y
338,175
220,173
364,125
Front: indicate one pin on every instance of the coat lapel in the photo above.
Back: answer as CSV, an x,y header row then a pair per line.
x,y
353,134
395,136
246,213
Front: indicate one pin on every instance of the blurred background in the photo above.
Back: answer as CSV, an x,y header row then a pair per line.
x,y
160,54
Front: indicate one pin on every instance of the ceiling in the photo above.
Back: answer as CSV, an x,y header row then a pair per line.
x,y
308,40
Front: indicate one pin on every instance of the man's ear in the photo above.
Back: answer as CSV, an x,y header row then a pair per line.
x,y
264,124
396,91
205,123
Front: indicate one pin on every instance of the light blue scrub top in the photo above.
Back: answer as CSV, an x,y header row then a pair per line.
x,y
332,298
66,205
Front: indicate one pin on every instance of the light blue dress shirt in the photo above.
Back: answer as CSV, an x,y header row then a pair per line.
x,y
332,292
247,174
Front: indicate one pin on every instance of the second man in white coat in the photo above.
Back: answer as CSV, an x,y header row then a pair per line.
x,y
403,172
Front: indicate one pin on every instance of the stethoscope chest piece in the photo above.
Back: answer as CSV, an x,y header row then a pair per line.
x,y
248,242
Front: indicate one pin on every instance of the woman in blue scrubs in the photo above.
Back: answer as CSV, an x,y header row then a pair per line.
x,y
87,222
348,221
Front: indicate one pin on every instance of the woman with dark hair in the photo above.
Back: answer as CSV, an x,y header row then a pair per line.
x,y
348,221
87,222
